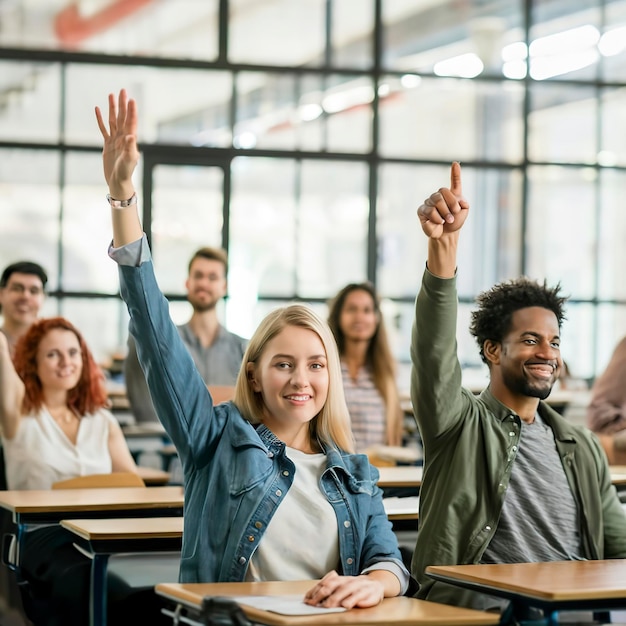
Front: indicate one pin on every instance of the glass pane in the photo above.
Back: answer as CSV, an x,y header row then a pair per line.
x,y
468,37
103,323
280,32
577,339
284,111
23,89
417,118
562,123
561,205
169,28
86,227
352,33
490,242
187,214
611,227
563,40
332,227
613,124
612,44
262,251
610,328
29,209
195,110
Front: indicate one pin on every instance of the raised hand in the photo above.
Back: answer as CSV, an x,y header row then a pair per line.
x,y
445,210
119,153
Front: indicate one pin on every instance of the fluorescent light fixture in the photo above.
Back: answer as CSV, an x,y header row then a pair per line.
x,y
555,65
466,65
310,112
607,158
348,98
613,42
514,69
245,140
410,81
565,42
517,51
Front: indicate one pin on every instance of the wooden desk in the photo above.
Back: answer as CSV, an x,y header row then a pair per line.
x,y
101,538
400,476
618,475
553,586
153,477
402,611
399,509
50,507
411,476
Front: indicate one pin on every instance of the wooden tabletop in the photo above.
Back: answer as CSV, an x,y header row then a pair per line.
x,y
554,581
411,475
402,611
131,528
152,476
104,499
400,476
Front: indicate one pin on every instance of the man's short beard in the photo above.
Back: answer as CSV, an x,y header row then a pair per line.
x,y
522,386
202,308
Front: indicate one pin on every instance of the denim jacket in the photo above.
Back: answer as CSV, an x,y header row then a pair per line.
x,y
236,474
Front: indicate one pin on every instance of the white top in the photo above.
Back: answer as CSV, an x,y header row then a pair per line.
x,y
41,454
302,539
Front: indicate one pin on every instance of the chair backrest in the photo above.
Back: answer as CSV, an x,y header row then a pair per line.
x,y
115,479
221,393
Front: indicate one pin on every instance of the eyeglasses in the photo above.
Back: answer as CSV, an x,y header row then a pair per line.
x,y
18,288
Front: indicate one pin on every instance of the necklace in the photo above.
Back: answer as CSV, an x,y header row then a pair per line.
x,y
64,418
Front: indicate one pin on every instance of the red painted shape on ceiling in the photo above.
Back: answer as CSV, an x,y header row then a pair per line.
x,y
72,28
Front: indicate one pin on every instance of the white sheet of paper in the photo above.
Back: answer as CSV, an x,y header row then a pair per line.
x,y
285,605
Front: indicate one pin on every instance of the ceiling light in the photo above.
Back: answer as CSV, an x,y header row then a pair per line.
x,y
466,65
613,42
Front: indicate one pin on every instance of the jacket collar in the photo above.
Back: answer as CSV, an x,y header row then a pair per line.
x,y
562,429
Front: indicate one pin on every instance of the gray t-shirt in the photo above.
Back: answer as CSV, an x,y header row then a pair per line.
x,y
218,364
539,519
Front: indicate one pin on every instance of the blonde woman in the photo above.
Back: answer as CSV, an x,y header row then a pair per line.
x,y
272,488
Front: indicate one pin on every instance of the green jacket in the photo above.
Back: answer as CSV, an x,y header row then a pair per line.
x,y
470,444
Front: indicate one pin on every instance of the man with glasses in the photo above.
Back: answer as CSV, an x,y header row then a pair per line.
x,y
22,292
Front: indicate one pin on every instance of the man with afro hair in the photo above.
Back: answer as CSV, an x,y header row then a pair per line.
x,y
506,478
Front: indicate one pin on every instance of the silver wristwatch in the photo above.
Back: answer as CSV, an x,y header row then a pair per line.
x,y
122,204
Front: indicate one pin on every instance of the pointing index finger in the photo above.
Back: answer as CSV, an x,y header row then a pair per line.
x,y
455,179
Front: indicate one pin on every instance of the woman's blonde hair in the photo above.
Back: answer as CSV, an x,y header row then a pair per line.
x,y
331,426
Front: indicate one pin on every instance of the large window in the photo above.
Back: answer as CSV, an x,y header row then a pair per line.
x,y
303,136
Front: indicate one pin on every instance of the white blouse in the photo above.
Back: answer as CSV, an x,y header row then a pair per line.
x,y
41,454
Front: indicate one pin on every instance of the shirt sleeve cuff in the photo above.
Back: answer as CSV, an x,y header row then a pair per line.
x,y
133,254
399,572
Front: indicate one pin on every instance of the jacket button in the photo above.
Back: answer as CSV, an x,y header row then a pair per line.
x,y
487,527
250,538
347,523
258,524
285,472
242,560
349,561
279,493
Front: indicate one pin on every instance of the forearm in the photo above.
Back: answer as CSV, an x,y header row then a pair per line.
x,y
442,255
126,224
388,580
11,390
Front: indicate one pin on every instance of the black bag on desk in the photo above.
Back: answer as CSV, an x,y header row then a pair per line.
x,y
217,611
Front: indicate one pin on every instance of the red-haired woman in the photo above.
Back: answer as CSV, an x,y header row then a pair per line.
x,y
55,426
52,410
